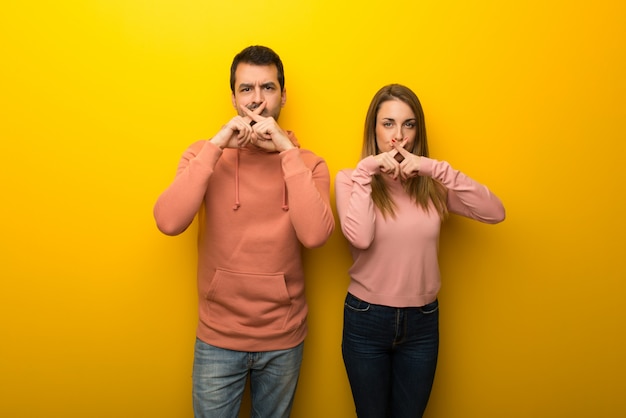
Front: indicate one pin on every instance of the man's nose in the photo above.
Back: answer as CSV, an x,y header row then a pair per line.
x,y
258,95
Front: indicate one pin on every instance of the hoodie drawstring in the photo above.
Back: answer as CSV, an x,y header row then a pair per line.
x,y
285,205
237,204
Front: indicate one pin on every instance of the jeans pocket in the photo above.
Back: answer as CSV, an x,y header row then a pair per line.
x,y
430,307
355,304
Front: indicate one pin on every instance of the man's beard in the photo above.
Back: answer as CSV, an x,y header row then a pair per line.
x,y
265,113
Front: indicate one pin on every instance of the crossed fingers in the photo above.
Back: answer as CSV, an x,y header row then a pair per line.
x,y
252,116
407,161
399,162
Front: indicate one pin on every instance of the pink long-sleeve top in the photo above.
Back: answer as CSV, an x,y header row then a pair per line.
x,y
256,211
395,259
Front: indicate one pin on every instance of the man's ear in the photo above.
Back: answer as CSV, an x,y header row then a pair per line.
x,y
283,98
232,98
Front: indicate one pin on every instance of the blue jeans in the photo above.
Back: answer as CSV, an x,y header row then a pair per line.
x,y
390,356
220,375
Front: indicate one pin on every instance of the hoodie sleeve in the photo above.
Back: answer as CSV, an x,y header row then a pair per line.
x,y
353,192
308,189
466,197
177,206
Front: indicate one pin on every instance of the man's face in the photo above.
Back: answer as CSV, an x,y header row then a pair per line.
x,y
255,84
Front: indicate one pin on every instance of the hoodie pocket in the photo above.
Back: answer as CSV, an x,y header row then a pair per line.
x,y
248,300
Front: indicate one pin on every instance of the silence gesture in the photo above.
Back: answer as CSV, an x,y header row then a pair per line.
x,y
267,134
399,162
237,132
409,164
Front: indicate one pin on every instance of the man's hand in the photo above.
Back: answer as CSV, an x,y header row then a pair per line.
x,y
238,131
266,132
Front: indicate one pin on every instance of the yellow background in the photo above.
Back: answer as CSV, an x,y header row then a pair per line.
x,y
99,98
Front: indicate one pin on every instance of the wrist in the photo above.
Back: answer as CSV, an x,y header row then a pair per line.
x,y
288,147
215,141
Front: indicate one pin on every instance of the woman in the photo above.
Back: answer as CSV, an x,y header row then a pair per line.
x,y
391,208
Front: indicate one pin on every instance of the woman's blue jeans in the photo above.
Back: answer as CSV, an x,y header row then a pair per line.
x,y
220,375
390,356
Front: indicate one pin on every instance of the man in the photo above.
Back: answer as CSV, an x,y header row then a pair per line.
x,y
259,199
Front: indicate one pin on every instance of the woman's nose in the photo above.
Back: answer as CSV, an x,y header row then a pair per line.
x,y
398,135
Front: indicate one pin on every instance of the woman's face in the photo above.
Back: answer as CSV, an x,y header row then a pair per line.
x,y
395,120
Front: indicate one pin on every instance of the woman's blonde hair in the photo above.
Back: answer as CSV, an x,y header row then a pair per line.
x,y
424,190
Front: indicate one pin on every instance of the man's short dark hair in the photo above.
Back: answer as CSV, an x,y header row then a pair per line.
x,y
257,55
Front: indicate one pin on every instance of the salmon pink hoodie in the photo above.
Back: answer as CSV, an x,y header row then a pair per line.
x,y
256,210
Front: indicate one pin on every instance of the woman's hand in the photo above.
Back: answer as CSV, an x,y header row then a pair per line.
x,y
409,165
390,162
